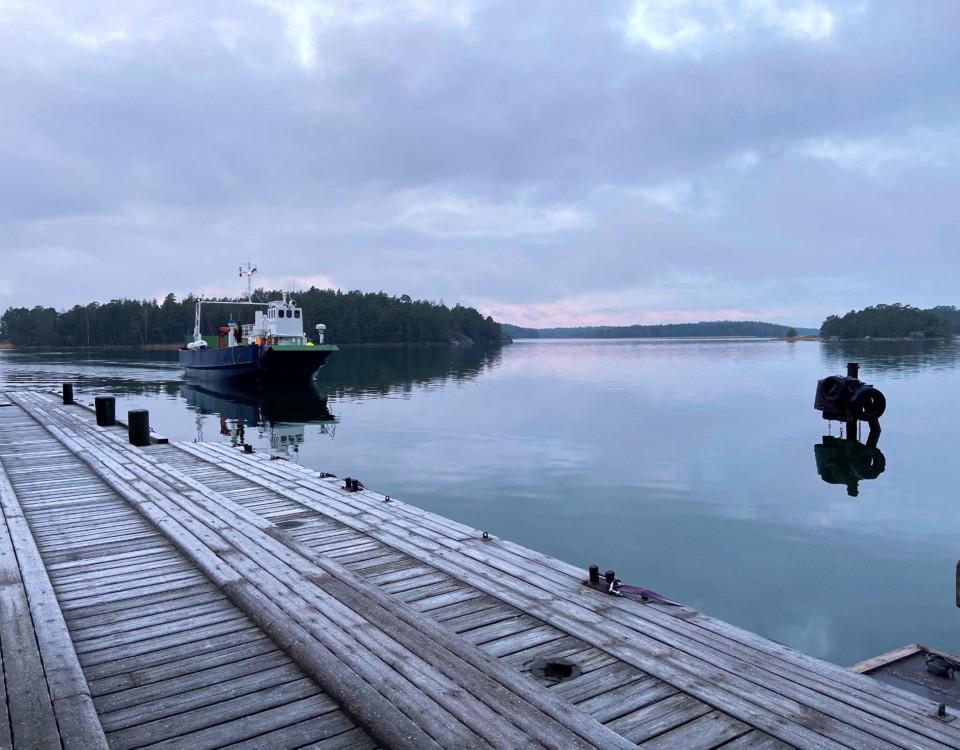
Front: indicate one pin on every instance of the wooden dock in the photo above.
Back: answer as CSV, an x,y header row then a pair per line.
x,y
189,595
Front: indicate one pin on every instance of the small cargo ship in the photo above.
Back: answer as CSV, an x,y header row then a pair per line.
x,y
272,348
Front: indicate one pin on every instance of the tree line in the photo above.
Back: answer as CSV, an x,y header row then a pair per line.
x,y
350,317
664,330
894,321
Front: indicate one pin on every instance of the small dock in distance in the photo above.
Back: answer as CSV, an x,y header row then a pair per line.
x,y
189,595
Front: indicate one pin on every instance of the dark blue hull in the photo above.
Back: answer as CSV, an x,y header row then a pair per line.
x,y
252,362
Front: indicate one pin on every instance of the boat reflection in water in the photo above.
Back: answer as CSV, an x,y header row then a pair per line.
x,y
848,461
280,414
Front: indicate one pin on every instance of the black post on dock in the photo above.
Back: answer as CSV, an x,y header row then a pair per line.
x,y
106,407
853,371
138,427
68,393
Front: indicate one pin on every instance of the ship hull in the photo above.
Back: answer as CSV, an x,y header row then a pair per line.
x,y
252,362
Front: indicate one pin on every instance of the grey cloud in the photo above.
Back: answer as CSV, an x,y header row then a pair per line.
x,y
510,154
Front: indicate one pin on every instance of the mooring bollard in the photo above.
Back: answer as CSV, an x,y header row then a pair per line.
x,y
594,574
609,576
138,427
68,393
106,407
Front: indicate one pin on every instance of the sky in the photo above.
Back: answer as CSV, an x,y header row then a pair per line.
x,y
547,161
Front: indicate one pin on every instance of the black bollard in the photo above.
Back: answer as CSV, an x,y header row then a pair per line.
x,y
68,393
138,427
106,407
853,369
594,574
610,576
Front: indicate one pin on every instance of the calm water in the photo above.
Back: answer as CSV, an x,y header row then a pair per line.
x,y
688,466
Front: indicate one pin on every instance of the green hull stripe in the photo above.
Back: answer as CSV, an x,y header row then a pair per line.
x,y
316,348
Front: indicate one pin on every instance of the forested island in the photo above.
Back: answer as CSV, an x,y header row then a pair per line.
x,y
351,318
744,328
895,321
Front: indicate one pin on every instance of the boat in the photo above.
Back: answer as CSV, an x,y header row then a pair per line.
x,y
272,348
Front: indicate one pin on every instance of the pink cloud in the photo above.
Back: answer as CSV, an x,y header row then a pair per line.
x,y
574,313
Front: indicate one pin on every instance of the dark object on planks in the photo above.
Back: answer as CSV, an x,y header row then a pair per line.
x,y
612,585
138,427
291,524
940,666
106,409
554,671
848,399
247,448
68,393
352,485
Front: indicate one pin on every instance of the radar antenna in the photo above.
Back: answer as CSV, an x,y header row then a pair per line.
x,y
248,271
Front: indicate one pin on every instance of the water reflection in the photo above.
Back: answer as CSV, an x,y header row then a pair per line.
x,y
905,357
848,461
354,372
380,371
280,414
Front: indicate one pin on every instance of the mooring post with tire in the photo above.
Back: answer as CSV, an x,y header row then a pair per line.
x,y
848,399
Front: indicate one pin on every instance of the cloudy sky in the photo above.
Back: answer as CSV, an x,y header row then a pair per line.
x,y
550,162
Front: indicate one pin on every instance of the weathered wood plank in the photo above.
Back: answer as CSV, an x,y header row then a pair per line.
x,y
625,699
139,661
817,674
196,679
83,629
304,733
739,686
755,740
711,730
653,720
405,664
6,739
313,724
599,681
156,707
335,677
180,654
875,723
868,665
32,719
213,716
41,644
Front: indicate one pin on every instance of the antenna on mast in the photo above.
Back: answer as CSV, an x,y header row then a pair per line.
x,y
249,271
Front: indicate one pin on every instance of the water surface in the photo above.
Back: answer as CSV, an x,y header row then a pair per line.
x,y
686,465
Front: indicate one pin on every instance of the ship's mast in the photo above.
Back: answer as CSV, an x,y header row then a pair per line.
x,y
248,271
197,337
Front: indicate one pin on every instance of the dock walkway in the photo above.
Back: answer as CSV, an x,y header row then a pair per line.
x,y
189,595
